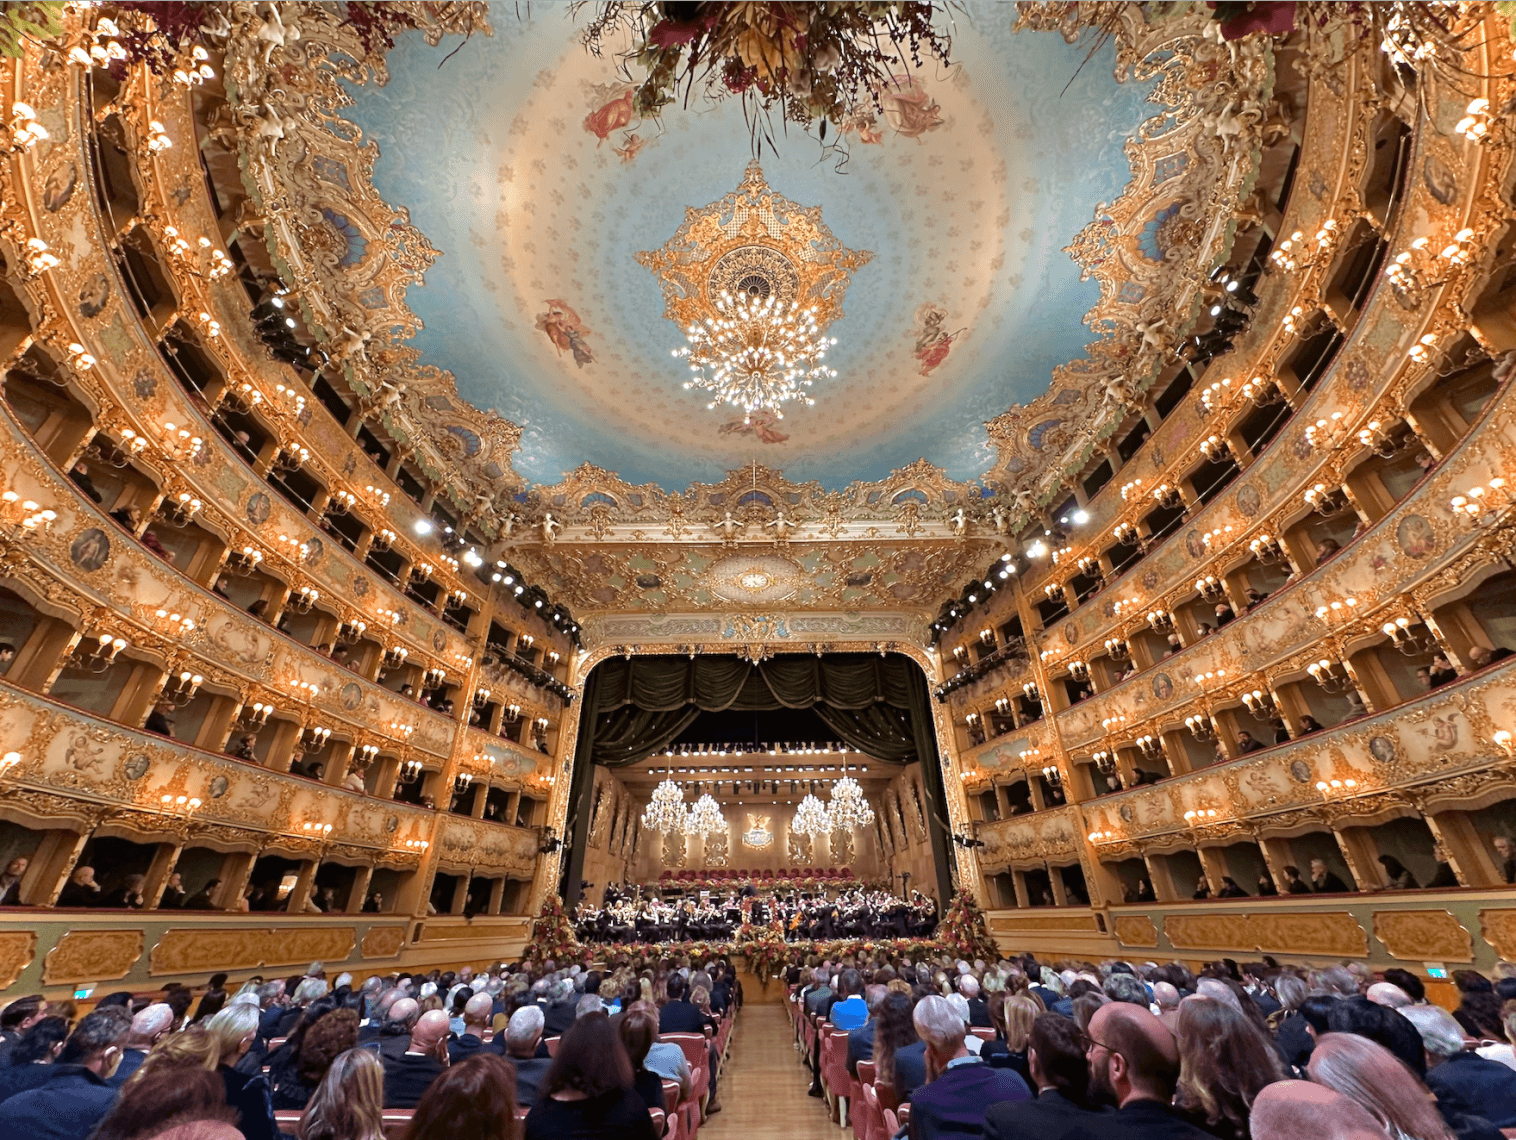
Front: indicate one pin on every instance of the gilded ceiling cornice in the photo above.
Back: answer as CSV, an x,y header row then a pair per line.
x,y
1195,159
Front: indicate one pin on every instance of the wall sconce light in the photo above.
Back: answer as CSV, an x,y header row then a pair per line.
x,y
1132,490
1053,776
181,443
1259,702
24,515
179,805
410,771
463,782
255,715
350,632
1266,549
243,562
1200,817
292,548
1150,746
394,658
290,459
1399,631
401,731
338,504
1112,724
1323,501
367,755
96,654
1161,621
433,677
38,258
1201,727
987,636
1325,432
1054,593
1263,392
1502,739
1127,535
1335,613
1331,788
302,600
1101,836
1214,396
1090,567
180,690
417,845
512,713
313,740
1480,507
380,496
1029,690
1217,538
305,690
1105,762
381,540
1168,497
1213,447
541,723
1079,670
1002,706
1475,124
173,624
421,572
481,698
1210,588
10,760
1330,676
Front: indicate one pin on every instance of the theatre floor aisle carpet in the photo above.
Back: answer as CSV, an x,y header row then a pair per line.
x,y
764,1084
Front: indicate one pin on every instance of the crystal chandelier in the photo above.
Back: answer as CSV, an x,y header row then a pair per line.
x,y
756,352
811,817
665,812
704,818
848,808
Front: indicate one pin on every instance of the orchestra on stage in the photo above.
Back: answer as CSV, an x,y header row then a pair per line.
x,y
641,914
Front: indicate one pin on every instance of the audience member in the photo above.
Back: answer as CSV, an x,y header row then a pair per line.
x,y
1056,1060
1291,1110
519,1043
472,1100
1466,1082
588,1092
1225,1060
175,1103
348,1104
148,1028
679,1015
1134,1065
638,1031
476,1018
1371,1075
232,1032
77,1094
326,1038
31,1058
961,1086
408,1074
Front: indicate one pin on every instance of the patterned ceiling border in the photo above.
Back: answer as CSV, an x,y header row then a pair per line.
x,y
350,256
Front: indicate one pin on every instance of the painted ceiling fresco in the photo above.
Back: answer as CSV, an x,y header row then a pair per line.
x,y
519,160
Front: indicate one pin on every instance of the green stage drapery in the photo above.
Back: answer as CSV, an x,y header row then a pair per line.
x,y
635,706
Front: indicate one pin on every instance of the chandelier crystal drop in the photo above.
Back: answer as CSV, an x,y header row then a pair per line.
x,y
665,812
848,808
756,353
704,817
811,817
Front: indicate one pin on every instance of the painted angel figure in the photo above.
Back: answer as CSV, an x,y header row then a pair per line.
x,y
550,529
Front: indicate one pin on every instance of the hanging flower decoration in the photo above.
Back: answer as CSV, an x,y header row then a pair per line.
x,y
808,61
553,934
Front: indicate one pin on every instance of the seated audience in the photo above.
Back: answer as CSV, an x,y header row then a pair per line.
x,y
1055,1057
171,1104
232,1032
476,1019
31,1058
1397,1100
961,1086
1134,1065
348,1104
638,1031
473,1100
1225,1060
148,1028
519,1042
326,1038
1289,1110
77,1094
407,1075
588,1092
1464,1081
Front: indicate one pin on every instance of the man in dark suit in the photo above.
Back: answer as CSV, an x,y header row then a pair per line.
x,y
979,1011
558,1013
76,1096
1469,1083
476,1017
518,1044
910,1068
954,1104
1134,1063
409,1075
679,1015
395,1034
1055,1058
154,1022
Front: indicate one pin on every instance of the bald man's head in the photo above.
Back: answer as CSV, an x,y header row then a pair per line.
x,y
150,1024
1133,1056
430,1035
477,1012
1165,995
403,1014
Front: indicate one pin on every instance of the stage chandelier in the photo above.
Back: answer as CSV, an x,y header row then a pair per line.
x,y
704,817
756,352
665,812
811,817
848,808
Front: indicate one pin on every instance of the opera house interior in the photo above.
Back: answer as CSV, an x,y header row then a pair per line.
x,y
750,486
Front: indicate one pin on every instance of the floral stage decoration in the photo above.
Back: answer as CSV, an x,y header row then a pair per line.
x,y
553,935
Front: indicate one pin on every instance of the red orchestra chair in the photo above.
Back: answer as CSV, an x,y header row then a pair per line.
x,y
395,1122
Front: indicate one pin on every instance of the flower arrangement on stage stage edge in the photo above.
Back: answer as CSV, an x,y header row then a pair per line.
x,y
963,931
553,935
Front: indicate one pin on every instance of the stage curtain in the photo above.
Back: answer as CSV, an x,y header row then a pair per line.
x,y
633,707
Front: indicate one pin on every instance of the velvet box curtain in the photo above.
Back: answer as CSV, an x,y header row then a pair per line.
x,y
634,707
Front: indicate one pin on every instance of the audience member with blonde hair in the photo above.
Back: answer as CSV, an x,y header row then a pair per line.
x,y
348,1104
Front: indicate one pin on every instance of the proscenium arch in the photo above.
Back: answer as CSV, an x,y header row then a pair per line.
x,y
634,705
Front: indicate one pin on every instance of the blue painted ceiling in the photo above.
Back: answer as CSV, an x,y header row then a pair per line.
x,y
979,177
